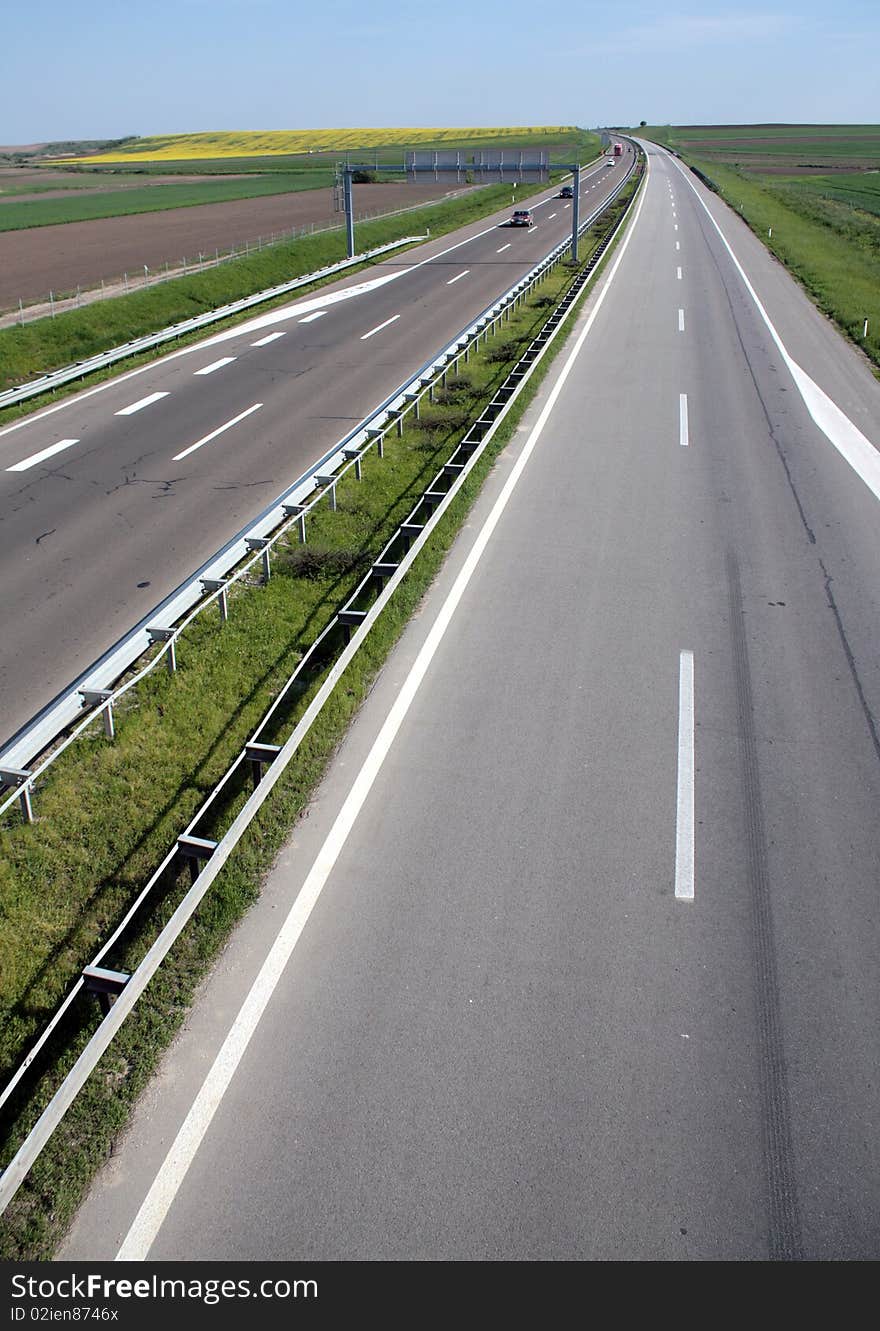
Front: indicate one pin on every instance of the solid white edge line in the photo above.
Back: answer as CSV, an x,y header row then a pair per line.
x,y
215,365
271,337
214,433
139,1239
139,405
684,804
43,454
853,446
683,437
458,278
379,327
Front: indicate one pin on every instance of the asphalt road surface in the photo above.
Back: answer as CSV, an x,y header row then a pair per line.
x,y
106,506
583,957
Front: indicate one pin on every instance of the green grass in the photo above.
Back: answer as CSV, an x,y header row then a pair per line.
x,y
72,180
20,216
35,348
107,812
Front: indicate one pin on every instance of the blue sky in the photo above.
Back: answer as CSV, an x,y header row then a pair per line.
x,y
105,68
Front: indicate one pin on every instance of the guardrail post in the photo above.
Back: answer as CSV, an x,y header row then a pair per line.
x,y
329,481
261,543
19,777
104,984
297,511
353,455
210,585
379,436
195,849
258,755
165,635
92,698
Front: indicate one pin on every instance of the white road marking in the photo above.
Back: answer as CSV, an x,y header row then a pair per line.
x,y
379,327
853,446
139,406
310,318
678,244
676,226
43,454
173,1170
214,433
681,321
216,365
272,337
683,420
568,205
550,217
453,280
678,273
504,247
684,804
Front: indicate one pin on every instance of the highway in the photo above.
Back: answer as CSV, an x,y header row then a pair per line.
x,y
575,956
109,500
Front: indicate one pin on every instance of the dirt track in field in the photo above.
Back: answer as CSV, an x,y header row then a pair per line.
x,y
57,258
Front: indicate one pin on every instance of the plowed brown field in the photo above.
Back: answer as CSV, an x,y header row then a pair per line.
x,y
58,258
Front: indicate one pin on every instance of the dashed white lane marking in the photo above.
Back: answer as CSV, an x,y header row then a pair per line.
x,y
568,205
681,321
453,280
504,247
214,433
379,327
139,406
43,454
684,804
676,226
678,244
853,446
678,273
683,437
264,341
216,365
550,217
136,1245
310,318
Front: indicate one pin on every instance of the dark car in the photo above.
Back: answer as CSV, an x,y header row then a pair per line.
x,y
567,192
522,217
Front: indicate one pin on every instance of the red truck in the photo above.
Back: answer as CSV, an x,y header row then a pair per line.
x,y
618,150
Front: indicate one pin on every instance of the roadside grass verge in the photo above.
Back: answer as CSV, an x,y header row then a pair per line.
x,y
107,813
839,272
48,344
28,213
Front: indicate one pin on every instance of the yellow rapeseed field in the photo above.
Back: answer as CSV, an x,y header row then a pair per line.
x,y
282,142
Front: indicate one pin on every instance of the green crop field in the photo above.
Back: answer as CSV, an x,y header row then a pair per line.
x,y
799,182
16,216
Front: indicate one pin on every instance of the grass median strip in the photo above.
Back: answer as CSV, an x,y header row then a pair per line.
x,y
108,813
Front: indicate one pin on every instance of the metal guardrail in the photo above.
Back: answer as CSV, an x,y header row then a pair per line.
x,y
267,761
47,382
94,687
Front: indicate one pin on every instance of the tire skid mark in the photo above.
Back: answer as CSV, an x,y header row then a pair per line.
x,y
784,1226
